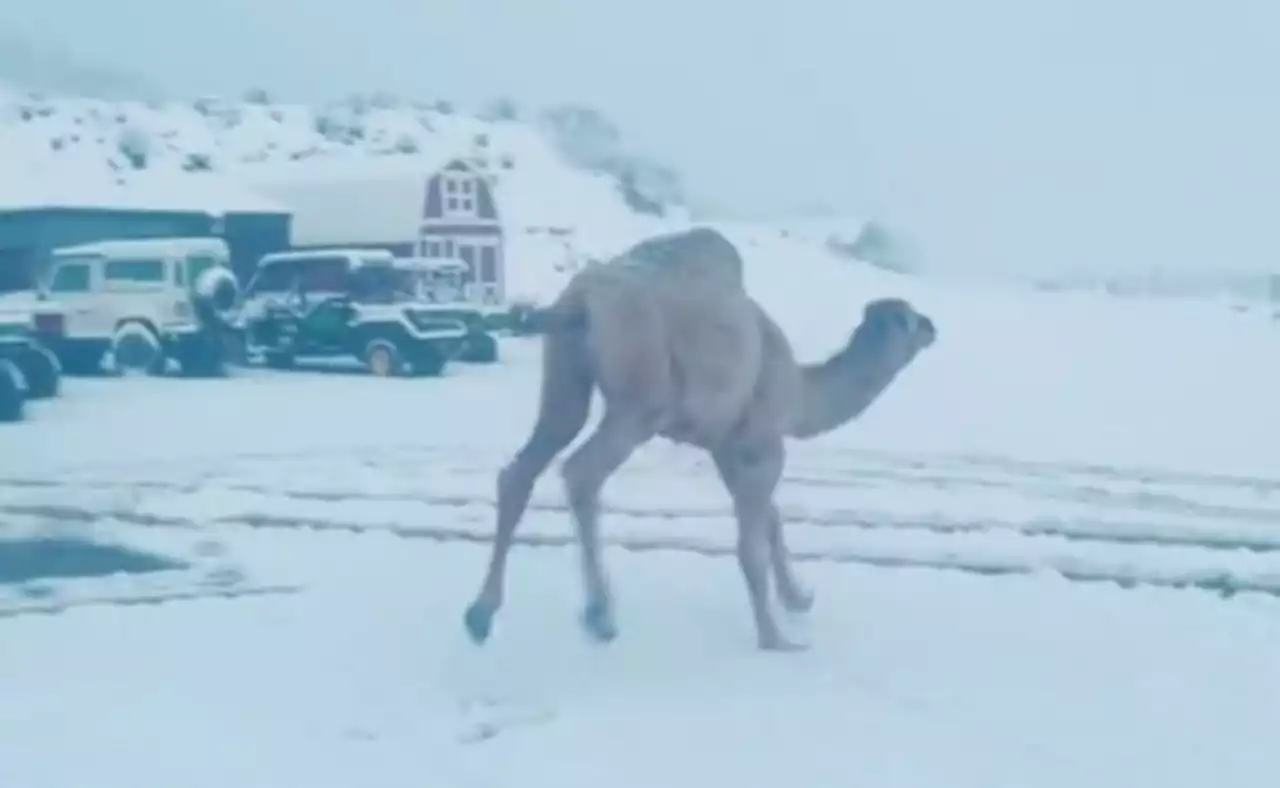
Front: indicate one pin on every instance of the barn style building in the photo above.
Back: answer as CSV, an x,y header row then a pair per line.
x,y
35,221
410,205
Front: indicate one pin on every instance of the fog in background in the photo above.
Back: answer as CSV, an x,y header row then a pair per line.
x,y
1001,134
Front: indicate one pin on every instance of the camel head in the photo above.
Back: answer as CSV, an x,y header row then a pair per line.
x,y
893,331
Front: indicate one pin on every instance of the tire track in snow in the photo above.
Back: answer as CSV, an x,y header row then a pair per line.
x,y
1253,500
1116,532
1236,528
58,604
1120,572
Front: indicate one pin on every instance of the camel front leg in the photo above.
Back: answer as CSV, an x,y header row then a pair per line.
x,y
751,474
795,598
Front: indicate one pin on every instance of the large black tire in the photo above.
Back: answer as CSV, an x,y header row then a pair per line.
x,y
136,348
383,358
13,396
42,371
215,293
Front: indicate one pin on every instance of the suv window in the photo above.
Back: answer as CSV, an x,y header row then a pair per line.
x,y
134,271
274,278
324,274
70,278
379,284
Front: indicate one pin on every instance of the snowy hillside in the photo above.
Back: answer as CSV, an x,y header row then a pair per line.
x,y
557,211
564,190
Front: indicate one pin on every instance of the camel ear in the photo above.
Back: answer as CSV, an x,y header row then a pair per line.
x,y
874,310
883,311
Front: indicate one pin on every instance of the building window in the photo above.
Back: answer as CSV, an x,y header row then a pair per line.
x,y
459,193
488,265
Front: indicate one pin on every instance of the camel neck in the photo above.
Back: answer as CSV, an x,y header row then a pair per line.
x,y
838,390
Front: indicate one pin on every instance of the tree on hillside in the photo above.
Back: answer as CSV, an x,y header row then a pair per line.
x,y
584,135
879,246
649,187
588,139
501,109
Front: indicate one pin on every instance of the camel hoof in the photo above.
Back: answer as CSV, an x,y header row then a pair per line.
x,y
777,643
479,622
597,620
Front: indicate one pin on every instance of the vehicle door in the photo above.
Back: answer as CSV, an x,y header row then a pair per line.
x,y
142,288
72,287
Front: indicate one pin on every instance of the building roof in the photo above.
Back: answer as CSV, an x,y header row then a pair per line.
x,y
146,247
209,193
358,256
338,199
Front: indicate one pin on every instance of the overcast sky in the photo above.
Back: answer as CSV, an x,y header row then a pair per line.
x,y
1036,134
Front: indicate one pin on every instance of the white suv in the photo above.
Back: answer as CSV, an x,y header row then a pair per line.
x,y
144,302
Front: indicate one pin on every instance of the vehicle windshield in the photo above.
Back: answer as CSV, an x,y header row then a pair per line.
x,y
438,285
379,284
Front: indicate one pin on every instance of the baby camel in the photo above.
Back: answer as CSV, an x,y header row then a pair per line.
x,y
678,350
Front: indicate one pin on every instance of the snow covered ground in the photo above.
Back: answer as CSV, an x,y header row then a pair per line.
x,y
1048,557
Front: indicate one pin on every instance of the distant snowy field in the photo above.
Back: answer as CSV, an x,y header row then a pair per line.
x,y
1048,557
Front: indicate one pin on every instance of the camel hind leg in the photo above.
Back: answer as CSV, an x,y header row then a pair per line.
x,y
619,434
564,405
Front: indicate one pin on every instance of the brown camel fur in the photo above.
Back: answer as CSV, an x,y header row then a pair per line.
x,y
677,349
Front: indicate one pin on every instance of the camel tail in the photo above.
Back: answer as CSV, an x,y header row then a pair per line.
x,y
567,314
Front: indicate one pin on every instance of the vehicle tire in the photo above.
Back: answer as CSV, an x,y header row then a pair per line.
x,y
383,359
42,371
482,348
216,292
13,392
136,348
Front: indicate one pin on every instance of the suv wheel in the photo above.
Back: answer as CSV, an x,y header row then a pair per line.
x,y
383,358
136,348
43,372
13,393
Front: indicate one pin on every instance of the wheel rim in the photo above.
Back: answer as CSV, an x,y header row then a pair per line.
x,y
380,362
134,354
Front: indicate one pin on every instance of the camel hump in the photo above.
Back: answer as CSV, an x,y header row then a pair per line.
x,y
699,254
